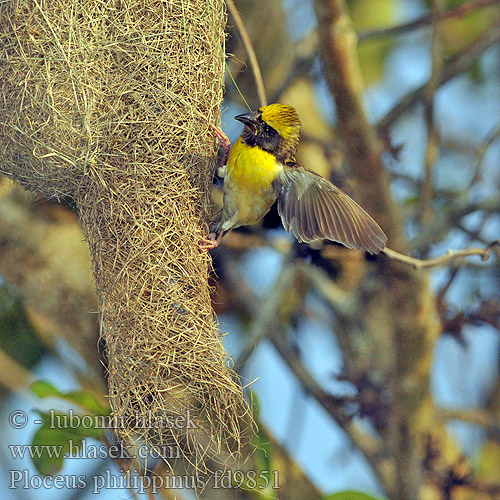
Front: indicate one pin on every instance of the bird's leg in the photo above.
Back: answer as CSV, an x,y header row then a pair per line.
x,y
220,229
214,238
224,143
211,242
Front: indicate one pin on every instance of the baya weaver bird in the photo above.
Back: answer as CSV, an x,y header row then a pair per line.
x,y
261,169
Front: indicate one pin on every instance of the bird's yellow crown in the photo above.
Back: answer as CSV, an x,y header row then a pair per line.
x,y
283,118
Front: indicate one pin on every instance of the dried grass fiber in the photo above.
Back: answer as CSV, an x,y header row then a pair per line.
x,y
109,102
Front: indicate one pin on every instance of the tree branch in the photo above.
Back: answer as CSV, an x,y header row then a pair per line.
x,y
247,43
480,153
460,63
267,315
443,260
433,135
405,305
459,208
368,445
475,416
270,318
337,43
427,19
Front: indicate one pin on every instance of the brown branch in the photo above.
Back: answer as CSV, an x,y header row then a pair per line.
x,y
459,208
443,260
460,63
13,376
337,43
342,302
433,135
268,314
269,323
368,445
481,152
407,304
484,486
487,313
427,19
247,43
476,416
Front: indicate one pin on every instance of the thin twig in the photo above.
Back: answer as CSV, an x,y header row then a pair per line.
x,y
247,43
426,20
433,136
363,147
476,416
457,65
475,235
443,260
480,152
451,217
268,314
453,273
368,445
342,302
269,324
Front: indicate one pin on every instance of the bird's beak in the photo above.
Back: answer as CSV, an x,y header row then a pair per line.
x,y
249,119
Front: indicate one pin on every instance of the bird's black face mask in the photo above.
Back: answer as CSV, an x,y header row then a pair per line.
x,y
258,133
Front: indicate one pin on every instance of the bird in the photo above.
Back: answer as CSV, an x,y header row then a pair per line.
x,y
261,169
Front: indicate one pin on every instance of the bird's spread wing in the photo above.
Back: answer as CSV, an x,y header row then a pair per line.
x,y
313,208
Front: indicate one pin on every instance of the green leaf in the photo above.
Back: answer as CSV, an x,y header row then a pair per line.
x,y
350,495
263,451
255,404
72,424
51,442
88,401
44,389
261,439
63,433
82,398
49,447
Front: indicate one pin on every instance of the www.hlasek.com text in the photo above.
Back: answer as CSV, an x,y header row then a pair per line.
x,y
83,449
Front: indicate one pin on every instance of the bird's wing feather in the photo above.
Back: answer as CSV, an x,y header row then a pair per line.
x,y
313,208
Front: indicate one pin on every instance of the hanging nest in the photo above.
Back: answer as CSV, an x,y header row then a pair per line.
x,y
109,103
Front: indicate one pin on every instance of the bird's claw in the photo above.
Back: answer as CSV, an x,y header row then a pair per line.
x,y
224,143
209,243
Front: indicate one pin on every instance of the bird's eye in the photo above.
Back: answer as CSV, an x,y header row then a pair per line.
x,y
266,128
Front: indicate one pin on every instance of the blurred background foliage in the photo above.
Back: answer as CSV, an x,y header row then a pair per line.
x,y
369,376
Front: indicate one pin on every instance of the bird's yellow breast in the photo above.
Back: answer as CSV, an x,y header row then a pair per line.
x,y
252,167
248,185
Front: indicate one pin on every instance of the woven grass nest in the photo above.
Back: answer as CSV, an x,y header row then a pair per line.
x,y
109,103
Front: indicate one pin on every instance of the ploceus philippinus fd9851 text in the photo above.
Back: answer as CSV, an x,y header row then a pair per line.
x,y
261,168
